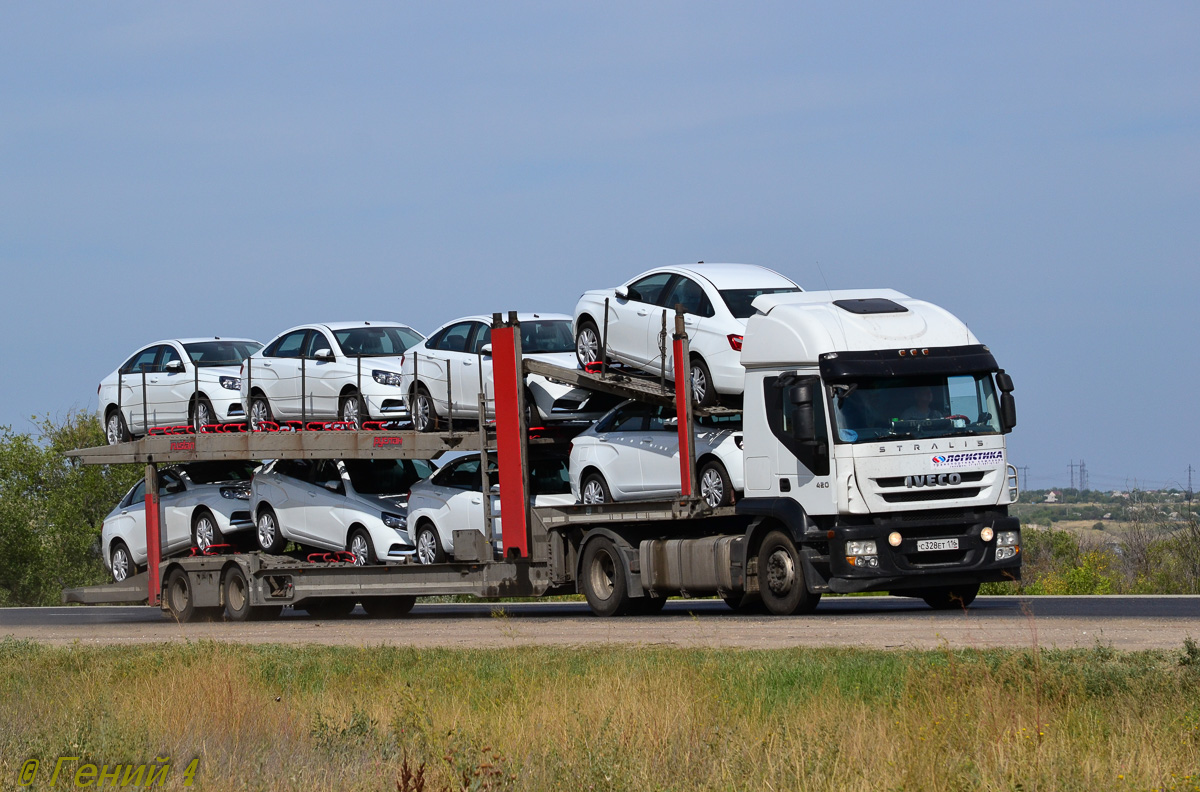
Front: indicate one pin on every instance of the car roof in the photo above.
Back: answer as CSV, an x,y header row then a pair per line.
x,y
196,340
731,276
521,317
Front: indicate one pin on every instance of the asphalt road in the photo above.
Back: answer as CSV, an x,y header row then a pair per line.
x,y
1138,622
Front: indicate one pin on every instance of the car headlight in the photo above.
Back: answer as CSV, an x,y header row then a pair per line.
x,y
235,493
231,383
396,521
386,377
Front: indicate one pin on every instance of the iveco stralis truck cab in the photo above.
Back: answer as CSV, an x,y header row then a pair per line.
x,y
877,422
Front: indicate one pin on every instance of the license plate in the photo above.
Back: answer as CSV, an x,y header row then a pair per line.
x,y
936,544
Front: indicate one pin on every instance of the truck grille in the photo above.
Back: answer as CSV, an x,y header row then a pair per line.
x,y
891,482
915,496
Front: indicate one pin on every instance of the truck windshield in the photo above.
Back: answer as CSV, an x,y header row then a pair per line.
x,y
911,407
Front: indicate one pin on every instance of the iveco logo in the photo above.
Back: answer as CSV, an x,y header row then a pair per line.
x,y
933,480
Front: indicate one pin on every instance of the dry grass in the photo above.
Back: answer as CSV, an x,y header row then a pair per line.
x,y
281,718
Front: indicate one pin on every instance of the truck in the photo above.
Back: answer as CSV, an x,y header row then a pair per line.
x,y
874,432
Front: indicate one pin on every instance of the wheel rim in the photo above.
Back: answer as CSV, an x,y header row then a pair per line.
x,y
593,493
266,530
235,594
426,547
203,416
358,546
114,429
712,488
423,408
602,573
350,411
204,533
587,346
258,413
699,384
120,564
781,572
180,596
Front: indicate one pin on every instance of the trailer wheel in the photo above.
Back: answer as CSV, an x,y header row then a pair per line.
x,y
951,597
237,595
205,532
715,486
181,602
329,607
121,562
388,607
603,578
781,577
270,538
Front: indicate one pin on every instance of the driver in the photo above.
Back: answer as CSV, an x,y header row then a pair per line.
x,y
922,409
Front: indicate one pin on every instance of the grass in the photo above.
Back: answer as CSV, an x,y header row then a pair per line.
x,y
385,718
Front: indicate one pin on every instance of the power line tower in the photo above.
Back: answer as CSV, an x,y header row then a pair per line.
x,y
1072,466
1189,487
1083,476
1024,479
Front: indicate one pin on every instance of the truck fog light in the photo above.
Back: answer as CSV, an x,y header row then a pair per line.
x,y
894,538
1005,553
987,533
868,562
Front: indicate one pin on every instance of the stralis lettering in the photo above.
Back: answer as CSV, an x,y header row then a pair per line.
x,y
934,446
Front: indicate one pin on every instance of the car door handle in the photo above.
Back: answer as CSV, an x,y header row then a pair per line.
x,y
643,312
647,439
468,362
476,500
688,320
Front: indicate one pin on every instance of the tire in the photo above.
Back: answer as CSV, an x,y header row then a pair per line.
x,y
352,410
744,603
781,577
330,607
429,544
260,411
361,546
205,532
121,562
715,487
424,411
179,597
203,414
951,597
704,394
594,490
603,578
270,538
587,343
388,607
236,593
115,429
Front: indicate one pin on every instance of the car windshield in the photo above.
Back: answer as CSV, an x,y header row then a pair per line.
x,y
212,472
549,336
376,341
221,353
739,300
914,407
386,476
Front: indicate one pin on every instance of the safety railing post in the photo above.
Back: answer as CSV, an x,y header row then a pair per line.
x,y
303,390
684,414
662,352
195,396
449,401
485,479
362,402
145,406
249,393
604,344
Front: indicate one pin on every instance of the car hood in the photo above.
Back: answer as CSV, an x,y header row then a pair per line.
x,y
389,503
563,359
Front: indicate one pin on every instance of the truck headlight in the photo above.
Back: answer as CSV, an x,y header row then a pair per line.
x,y
1007,538
397,521
386,377
862,554
231,383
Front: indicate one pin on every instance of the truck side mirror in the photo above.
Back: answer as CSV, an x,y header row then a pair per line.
x,y
1004,382
1008,411
801,396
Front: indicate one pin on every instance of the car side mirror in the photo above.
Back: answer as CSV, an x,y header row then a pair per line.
x,y
486,350
622,293
325,355
332,486
495,488
174,366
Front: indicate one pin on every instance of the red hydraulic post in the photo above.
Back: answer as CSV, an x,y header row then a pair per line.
x,y
153,532
512,450
683,408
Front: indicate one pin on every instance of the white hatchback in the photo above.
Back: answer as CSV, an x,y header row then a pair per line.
x,y
633,454
172,383
716,299
455,365
343,371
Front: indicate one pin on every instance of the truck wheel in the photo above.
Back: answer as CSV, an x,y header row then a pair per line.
x,y
388,607
121,562
330,607
424,413
429,545
744,603
704,394
594,490
270,538
603,578
205,532
781,577
237,595
715,486
950,597
587,343
360,545
180,599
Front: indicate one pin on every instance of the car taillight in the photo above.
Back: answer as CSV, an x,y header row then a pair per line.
x,y
735,342
402,361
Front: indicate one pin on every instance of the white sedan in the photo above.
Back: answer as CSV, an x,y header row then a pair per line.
x,y
455,365
633,454
452,499
342,371
203,504
356,505
716,299
184,381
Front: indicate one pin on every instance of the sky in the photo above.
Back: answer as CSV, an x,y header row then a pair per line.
x,y
172,170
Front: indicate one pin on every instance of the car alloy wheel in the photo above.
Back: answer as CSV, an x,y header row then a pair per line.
x,y
699,385
360,548
350,411
260,412
122,564
593,492
587,345
204,533
203,415
266,529
712,488
113,429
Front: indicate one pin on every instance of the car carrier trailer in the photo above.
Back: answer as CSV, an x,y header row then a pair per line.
x,y
626,558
